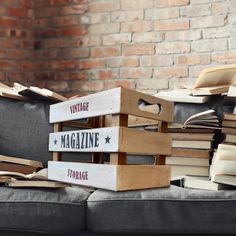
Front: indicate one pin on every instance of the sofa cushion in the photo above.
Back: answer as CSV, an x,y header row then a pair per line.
x,y
43,210
163,210
24,131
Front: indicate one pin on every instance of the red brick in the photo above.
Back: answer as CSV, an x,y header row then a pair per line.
x,y
192,59
130,62
136,4
72,75
59,2
126,16
136,26
19,54
63,64
148,37
104,6
172,47
105,51
135,73
113,39
7,65
54,43
9,43
92,63
62,86
73,10
170,3
19,76
139,49
108,74
224,57
46,12
48,54
81,1
152,83
162,13
7,22
126,83
18,12
172,24
74,31
41,3
88,86
46,33
87,41
123,62
109,28
27,65
100,18
42,22
45,75
27,3
3,53
2,76
64,20
168,72
75,52
156,60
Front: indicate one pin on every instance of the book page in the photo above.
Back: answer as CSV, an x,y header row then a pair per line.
x,y
220,75
201,115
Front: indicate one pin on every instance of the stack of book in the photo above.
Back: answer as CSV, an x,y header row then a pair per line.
x,y
20,165
196,130
193,133
229,120
224,165
20,172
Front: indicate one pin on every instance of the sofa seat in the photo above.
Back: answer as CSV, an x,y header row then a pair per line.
x,y
43,210
164,210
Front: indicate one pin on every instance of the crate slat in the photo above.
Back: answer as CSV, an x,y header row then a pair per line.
x,y
111,177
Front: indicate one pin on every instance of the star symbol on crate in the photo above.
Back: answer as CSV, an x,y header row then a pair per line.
x,y
107,139
55,142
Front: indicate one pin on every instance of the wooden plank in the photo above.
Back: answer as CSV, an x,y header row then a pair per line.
x,y
118,158
98,104
112,139
147,106
89,140
113,101
162,127
56,156
111,177
144,142
142,177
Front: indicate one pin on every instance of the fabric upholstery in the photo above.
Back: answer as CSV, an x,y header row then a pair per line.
x,y
163,210
43,210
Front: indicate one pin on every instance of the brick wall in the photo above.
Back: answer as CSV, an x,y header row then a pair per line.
x,y
89,45
16,41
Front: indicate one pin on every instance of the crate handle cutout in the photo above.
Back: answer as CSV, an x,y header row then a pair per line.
x,y
148,107
133,103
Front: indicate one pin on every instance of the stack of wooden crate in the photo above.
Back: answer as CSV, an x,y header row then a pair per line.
x,y
118,139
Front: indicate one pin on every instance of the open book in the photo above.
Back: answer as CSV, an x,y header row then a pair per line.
x,y
14,164
38,93
217,76
181,95
36,179
8,92
205,119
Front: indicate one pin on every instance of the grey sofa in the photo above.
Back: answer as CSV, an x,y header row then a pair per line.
x,y
74,211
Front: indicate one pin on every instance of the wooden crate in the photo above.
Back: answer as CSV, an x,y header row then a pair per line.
x,y
118,139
